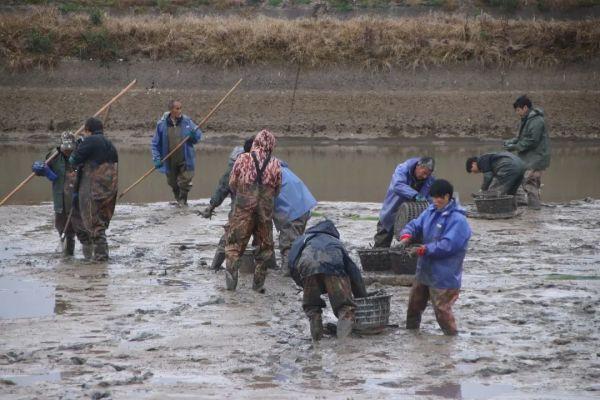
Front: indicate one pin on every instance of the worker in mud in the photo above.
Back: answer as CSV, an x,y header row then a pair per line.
x,y
171,129
410,182
293,207
320,264
255,181
502,172
445,235
97,160
532,145
219,195
64,182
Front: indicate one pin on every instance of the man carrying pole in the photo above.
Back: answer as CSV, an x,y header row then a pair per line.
x,y
171,129
97,158
63,176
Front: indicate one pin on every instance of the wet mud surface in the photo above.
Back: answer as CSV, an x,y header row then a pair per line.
x,y
156,323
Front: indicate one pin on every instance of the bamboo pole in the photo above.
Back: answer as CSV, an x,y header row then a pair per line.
x,y
53,156
151,170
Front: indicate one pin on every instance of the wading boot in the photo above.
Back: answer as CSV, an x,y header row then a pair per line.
x,y
344,327
182,202
285,268
100,250
217,260
231,280
88,250
316,328
69,246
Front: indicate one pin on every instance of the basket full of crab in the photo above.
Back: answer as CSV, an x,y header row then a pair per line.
x,y
374,259
372,313
401,261
495,203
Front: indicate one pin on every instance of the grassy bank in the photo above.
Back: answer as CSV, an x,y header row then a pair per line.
x,y
44,36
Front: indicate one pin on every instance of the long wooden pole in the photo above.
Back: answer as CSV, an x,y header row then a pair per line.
x,y
55,153
151,170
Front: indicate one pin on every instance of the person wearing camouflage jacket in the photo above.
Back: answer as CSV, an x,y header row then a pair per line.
x,y
532,145
319,263
97,159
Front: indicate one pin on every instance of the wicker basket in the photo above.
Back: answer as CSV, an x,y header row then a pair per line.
x,y
247,264
374,259
408,211
495,204
372,312
402,263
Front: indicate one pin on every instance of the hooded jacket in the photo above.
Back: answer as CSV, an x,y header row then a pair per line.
x,y
320,251
244,173
294,200
446,235
533,144
160,141
402,188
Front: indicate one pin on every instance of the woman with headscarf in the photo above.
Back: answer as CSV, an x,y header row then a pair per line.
x,y
255,180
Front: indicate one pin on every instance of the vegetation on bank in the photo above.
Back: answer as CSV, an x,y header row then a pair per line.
x,y
44,36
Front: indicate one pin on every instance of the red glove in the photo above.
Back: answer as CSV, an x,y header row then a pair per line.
x,y
421,251
405,236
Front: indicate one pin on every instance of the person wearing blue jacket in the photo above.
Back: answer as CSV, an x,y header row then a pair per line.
x,y
445,233
411,182
292,211
171,129
319,263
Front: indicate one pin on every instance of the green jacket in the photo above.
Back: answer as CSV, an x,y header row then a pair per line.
x,y
533,144
59,165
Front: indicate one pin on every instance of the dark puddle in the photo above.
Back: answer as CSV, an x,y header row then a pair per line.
x,y
28,380
467,390
20,298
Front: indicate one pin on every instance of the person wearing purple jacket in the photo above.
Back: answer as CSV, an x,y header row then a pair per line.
x,y
411,182
445,235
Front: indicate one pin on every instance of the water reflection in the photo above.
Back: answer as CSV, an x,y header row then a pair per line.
x,y
467,390
333,172
20,298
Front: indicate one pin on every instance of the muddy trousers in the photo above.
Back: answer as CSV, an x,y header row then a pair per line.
x,y
75,229
383,238
338,290
532,184
442,301
288,232
180,180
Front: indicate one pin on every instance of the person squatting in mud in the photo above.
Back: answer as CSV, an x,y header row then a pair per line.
x,y
532,145
97,160
319,263
255,181
410,182
171,129
64,181
502,172
444,231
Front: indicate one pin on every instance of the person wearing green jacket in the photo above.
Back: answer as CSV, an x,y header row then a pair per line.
x,y
532,145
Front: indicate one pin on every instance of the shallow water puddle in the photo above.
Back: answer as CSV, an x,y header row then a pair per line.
x,y
20,298
28,380
467,390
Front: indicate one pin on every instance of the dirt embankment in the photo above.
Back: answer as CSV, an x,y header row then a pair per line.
x,y
465,102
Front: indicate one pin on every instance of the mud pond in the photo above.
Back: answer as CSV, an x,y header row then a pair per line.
x,y
155,323
351,172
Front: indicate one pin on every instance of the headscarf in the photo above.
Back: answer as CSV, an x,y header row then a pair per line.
x,y
67,142
244,170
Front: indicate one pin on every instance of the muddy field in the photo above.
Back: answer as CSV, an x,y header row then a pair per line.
x,y
155,323
336,103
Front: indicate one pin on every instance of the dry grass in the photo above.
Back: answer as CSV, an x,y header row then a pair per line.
x,y
45,36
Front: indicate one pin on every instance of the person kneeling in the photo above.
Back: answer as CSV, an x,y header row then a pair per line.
x,y
445,233
320,264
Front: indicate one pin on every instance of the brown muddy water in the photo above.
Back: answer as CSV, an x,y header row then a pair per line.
x,y
333,172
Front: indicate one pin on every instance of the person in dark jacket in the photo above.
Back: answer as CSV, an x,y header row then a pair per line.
x,y
502,172
64,181
97,159
410,182
445,233
533,147
320,264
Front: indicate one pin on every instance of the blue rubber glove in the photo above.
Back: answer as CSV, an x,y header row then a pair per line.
x,y
420,197
38,168
157,163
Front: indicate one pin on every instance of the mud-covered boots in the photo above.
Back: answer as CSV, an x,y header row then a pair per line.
x,y
231,280
182,201
88,250
68,246
100,248
218,260
316,327
344,327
